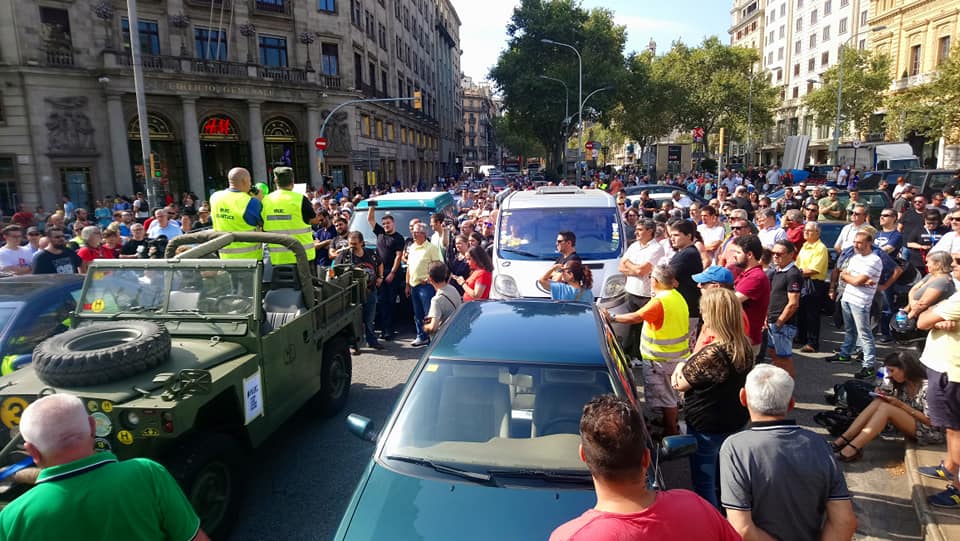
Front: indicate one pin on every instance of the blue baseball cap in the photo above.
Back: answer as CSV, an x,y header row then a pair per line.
x,y
714,273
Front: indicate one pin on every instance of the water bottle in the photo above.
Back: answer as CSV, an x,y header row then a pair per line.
x,y
330,273
901,317
883,381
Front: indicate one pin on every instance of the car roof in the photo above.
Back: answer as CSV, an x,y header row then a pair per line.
x,y
559,197
24,288
553,332
410,200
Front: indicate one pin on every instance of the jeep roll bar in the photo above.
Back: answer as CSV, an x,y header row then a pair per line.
x,y
208,242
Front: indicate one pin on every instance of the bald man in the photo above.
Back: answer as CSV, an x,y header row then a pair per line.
x,y
77,485
237,208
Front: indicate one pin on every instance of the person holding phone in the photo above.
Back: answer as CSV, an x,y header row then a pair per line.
x,y
905,408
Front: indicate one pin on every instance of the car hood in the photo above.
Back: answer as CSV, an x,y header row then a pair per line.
x,y
391,505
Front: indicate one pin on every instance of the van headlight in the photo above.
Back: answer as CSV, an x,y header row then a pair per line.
x,y
614,286
506,286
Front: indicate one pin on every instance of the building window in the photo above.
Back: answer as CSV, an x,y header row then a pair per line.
x,y
403,135
379,129
210,44
275,6
796,69
357,71
3,114
811,64
780,53
844,3
8,186
943,49
330,6
273,51
383,82
796,47
799,4
55,29
799,24
390,133
813,40
813,17
783,31
382,36
825,58
372,70
330,59
863,18
780,78
796,92
862,44
149,36
826,33
371,25
365,125
356,14
783,10
770,58
827,7
842,26
915,60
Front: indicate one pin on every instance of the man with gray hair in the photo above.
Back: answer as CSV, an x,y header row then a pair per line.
x,y
76,484
777,480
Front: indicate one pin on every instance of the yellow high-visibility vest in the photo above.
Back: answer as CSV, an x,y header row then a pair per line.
x,y
670,342
282,214
226,211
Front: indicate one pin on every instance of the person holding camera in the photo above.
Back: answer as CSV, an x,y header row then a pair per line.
x,y
238,208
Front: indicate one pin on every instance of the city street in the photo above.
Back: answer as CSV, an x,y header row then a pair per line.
x,y
301,481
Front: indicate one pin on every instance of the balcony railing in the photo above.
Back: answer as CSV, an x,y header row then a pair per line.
x,y
59,57
272,7
219,67
329,81
151,62
282,74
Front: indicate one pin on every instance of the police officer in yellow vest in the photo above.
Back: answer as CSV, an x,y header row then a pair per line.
x,y
664,342
236,209
288,212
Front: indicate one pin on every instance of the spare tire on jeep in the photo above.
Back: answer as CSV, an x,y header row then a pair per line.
x,y
101,353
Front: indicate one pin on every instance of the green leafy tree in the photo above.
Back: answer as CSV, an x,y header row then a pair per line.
x,y
712,87
931,109
866,75
538,105
512,136
648,104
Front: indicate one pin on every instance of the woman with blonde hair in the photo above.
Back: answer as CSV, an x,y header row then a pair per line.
x,y
711,380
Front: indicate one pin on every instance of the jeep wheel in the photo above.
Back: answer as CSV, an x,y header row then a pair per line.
x,y
336,373
101,353
206,468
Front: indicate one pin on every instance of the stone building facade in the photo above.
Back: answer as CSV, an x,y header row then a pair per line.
x,y
479,110
227,83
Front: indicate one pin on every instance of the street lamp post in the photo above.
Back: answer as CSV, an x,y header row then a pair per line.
x,y
836,127
579,100
566,103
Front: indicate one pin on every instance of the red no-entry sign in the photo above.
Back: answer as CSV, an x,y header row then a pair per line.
x,y
320,143
589,145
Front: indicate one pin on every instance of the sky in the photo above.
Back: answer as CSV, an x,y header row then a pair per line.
x,y
483,25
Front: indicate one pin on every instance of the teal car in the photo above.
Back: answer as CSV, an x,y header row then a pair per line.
x,y
404,207
483,442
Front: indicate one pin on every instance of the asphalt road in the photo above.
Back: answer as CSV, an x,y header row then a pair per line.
x,y
299,484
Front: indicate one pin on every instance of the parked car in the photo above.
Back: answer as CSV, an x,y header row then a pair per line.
x,y
929,181
660,193
404,207
488,426
32,309
875,200
871,179
817,174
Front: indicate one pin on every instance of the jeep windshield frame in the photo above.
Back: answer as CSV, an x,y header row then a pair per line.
x,y
181,289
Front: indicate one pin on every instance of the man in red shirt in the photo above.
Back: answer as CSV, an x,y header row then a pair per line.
x,y
752,285
612,437
792,223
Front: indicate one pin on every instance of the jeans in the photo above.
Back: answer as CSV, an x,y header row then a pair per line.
x,y
705,464
889,309
386,302
420,297
856,329
369,313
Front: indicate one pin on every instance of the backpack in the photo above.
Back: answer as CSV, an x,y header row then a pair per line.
x,y
850,398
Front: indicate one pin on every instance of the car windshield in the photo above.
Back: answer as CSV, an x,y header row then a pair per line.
x,y
531,234
182,291
401,217
496,415
6,312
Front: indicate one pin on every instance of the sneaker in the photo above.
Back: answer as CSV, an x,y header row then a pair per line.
x,y
866,373
837,358
418,343
808,349
948,499
936,472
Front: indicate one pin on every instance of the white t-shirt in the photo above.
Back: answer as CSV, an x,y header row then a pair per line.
x,y
652,253
21,257
770,236
847,235
684,202
667,252
842,177
712,234
949,243
773,177
860,265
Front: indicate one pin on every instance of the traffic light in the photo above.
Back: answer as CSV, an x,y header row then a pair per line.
x,y
418,100
154,165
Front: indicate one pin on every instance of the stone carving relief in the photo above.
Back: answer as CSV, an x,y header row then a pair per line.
x,y
337,134
69,130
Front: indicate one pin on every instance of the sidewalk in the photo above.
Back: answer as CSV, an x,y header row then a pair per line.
x,y
938,524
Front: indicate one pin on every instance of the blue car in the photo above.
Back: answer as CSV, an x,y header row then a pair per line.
x,y
32,309
483,442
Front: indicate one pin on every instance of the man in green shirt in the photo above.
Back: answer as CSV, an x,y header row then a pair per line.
x,y
82,494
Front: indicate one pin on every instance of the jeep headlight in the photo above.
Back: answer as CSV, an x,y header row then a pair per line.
x,y
506,286
614,286
130,419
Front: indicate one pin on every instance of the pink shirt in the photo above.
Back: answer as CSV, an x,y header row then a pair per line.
x,y
675,515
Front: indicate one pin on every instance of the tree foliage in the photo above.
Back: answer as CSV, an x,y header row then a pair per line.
x,y
931,109
513,136
866,75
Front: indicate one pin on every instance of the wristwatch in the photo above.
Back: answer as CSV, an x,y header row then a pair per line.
x,y
613,318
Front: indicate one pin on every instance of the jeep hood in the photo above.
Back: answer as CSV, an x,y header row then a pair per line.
x,y
184,353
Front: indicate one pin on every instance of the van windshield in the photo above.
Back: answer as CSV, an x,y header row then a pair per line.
x,y
402,218
531,234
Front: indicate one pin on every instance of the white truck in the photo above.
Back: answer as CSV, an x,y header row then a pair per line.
x,y
878,156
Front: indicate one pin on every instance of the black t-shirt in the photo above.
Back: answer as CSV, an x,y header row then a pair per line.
x,y
388,246
306,210
782,283
713,404
67,262
927,238
911,220
369,262
132,247
564,258
685,264
745,204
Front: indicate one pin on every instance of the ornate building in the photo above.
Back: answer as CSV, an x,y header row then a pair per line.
x,y
479,110
228,83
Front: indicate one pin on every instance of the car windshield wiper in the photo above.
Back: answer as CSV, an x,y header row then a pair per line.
x,y
443,468
194,311
521,252
134,310
546,475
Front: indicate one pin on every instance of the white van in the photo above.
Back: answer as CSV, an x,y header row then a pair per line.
x,y
526,232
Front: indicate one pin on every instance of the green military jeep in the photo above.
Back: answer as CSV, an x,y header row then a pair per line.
x,y
193,361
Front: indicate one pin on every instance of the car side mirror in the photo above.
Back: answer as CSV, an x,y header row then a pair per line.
x,y
363,428
674,447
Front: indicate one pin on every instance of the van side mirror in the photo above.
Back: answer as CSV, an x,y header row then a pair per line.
x,y
362,427
674,447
